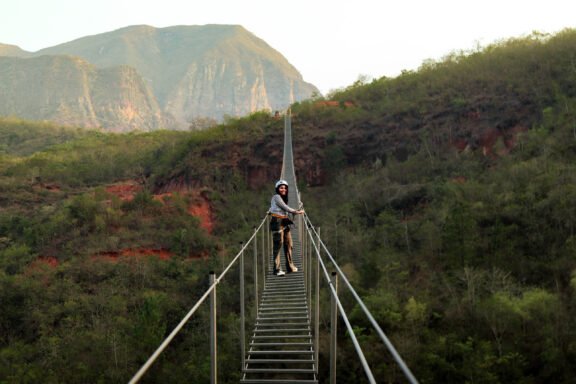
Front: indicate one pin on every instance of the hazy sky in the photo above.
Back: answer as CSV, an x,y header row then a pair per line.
x,y
331,43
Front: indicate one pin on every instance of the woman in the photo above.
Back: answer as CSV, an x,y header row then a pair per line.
x,y
280,227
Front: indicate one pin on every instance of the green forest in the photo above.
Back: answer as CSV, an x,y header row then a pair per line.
x,y
446,194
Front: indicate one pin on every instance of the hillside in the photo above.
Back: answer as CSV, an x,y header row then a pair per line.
x,y
20,138
476,101
194,72
447,195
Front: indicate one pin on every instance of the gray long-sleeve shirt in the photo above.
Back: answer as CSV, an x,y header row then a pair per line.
x,y
279,207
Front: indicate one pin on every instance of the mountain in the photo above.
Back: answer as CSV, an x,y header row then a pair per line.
x,y
12,50
194,72
72,92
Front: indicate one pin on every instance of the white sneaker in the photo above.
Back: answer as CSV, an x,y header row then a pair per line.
x,y
280,273
295,269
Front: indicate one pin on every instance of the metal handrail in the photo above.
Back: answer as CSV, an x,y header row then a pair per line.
x,y
312,232
357,346
144,368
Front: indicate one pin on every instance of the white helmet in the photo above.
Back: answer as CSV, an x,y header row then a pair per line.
x,y
280,182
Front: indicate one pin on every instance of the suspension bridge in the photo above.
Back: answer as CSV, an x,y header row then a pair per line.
x,y
283,344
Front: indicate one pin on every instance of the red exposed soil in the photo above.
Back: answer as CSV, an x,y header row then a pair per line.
x,y
490,138
52,187
333,103
162,254
199,207
41,269
203,211
47,187
458,180
492,142
460,144
44,260
125,191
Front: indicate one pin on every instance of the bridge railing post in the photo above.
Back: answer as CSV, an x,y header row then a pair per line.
x,y
308,270
255,272
213,345
264,253
242,314
269,249
317,305
333,329
303,241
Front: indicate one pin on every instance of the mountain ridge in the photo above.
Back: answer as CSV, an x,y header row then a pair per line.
x,y
194,72
13,50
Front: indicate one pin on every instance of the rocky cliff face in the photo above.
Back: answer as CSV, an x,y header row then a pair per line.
x,y
71,92
192,72
216,86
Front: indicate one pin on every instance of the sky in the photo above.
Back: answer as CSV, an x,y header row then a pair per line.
x,y
331,43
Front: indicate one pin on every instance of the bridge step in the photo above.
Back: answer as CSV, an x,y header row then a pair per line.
x,y
270,337
276,299
283,311
282,330
279,361
287,295
282,318
290,324
278,370
275,381
283,352
280,344
287,307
